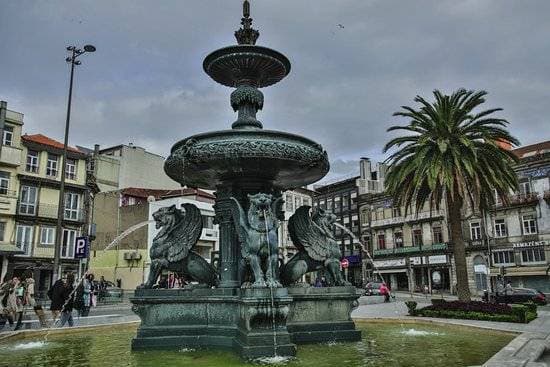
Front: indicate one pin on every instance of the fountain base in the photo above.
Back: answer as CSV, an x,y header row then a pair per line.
x,y
250,321
321,315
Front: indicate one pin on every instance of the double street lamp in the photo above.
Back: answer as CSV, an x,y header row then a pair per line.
x,y
73,60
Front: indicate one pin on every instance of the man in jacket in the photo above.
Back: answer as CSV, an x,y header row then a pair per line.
x,y
68,305
55,293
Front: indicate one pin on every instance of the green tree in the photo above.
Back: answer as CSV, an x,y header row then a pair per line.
x,y
450,154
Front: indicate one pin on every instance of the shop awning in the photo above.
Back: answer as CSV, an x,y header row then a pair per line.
x,y
9,249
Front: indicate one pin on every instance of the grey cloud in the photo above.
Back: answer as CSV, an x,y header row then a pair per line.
x,y
145,83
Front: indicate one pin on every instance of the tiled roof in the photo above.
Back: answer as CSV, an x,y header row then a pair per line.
x,y
44,140
537,148
160,193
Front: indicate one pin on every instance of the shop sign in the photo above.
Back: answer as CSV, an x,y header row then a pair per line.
x,y
415,260
389,263
529,244
480,269
437,259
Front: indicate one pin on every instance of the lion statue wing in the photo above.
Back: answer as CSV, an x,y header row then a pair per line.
x,y
186,233
241,224
308,236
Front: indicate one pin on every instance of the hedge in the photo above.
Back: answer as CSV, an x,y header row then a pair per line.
x,y
476,310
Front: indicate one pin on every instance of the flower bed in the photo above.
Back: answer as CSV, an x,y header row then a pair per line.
x,y
475,310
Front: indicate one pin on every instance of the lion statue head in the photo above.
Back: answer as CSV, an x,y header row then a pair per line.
x,y
167,217
260,211
324,219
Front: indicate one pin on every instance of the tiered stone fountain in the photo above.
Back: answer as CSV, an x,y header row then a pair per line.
x,y
245,308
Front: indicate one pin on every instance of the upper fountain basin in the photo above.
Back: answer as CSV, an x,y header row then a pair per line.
x,y
210,159
246,64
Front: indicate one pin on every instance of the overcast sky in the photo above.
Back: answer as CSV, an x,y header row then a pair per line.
x,y
145,83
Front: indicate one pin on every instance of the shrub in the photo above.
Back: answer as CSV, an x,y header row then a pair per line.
x,y
531,306
411,305
476,310
473,306
436,301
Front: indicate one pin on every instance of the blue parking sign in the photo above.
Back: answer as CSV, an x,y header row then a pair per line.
x,y
81,247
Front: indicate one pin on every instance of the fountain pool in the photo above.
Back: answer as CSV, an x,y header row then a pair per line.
x,y
383,344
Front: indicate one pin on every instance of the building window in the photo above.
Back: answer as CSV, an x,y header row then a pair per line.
x,y
32,161
72,206
67,246
396,212
525,187
297,202
503,258
4,182
480,271
8,136
337,204
533,255
475,231
381,241
289,203
47,235
529,224
51,165
27,202
307,201
437,234
417,237
208,221
345,202
2,231
322,204
23,238
398,238
500,228
329,204
70,169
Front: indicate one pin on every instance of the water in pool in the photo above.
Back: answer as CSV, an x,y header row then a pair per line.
x,y
383,344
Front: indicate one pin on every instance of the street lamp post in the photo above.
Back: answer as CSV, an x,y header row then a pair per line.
x,y
72,59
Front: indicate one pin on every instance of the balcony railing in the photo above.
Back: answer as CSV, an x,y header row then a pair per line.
x,y
412,249
50,211
412,217
519,200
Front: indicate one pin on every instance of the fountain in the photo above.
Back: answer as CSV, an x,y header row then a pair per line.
x,y
241,305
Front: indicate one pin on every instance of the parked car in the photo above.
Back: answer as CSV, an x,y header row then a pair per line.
x,y
372,289
522,295
111,293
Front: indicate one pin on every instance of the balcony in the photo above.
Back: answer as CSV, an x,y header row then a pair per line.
x,y
518,200
10,156
50,211
412,217
412,249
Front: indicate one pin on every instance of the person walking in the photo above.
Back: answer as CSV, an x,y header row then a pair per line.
x,y
7,313
18,305
68,305
30,300
55,293
384,291
508,291
84,294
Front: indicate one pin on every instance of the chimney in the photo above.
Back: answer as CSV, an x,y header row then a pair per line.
x,y
364,168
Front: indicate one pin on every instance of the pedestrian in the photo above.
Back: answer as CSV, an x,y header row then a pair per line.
x,y
163,282
68,304
384,291
7,313
102,289
324,282
19,293
171,280
55,294
508,291
318,283
87,286
30,300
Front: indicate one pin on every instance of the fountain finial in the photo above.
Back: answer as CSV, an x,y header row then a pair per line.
x,y
246,35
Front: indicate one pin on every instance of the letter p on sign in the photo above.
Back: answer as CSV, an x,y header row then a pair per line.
x,y
81,248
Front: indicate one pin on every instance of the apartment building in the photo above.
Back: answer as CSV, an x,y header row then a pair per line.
x,y
512,241
293,200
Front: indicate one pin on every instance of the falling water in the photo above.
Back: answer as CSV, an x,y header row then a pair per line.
x,y
133,228
363,247
271,289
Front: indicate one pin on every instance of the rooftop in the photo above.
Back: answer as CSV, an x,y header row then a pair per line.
x,y
44,140
164,193
533,149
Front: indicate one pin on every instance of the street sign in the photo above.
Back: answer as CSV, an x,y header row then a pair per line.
x,y
344,263
81,247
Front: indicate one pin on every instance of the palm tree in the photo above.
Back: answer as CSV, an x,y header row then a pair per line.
x,y
451,154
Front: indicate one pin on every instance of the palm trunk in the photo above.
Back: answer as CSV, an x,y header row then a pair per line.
x,y
459,250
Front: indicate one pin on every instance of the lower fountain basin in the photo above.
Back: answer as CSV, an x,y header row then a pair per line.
x,y
210,159
383,344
